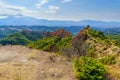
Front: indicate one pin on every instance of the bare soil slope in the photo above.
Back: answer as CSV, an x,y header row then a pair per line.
x,y
22,63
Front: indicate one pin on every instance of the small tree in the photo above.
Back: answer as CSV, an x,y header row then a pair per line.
x,y
89,69
88,26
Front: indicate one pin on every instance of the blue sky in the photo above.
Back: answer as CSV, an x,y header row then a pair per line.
x,y
104,10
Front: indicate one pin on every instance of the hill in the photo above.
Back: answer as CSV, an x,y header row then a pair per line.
x,y
21,38
89,43
59,33
63,38
53,41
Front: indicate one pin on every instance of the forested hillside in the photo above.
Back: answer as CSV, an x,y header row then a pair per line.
x,y
21,38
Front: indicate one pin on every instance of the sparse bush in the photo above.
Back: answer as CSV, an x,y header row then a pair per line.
x,y
96,34
99,36
65,42
89,69
109,60
44,44
80,47
91,52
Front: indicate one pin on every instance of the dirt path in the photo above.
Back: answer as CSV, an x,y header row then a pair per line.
x,y
22,63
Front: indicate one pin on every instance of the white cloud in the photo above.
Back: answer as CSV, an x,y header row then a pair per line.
x,y
65,1
52,9
11,10
41,3
11,7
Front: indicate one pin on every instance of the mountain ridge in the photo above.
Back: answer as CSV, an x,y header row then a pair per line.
x,y
29,21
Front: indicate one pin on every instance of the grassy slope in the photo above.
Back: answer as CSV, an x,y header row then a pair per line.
x,y
105,48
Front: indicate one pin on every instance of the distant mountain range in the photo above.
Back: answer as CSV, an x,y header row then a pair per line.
x,y
29,21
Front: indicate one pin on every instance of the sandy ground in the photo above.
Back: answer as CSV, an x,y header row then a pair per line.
x,y
22,63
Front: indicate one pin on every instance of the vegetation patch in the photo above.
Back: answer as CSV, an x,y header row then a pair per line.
x,y
109,60
52,44
89,69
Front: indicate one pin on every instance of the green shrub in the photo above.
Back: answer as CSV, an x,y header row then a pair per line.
x,y
109,60
64,42
89,69
92,52
96,34
44,44
47,43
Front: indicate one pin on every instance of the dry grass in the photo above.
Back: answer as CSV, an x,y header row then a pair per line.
x,y
114,70
30,64
32,54
16,71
